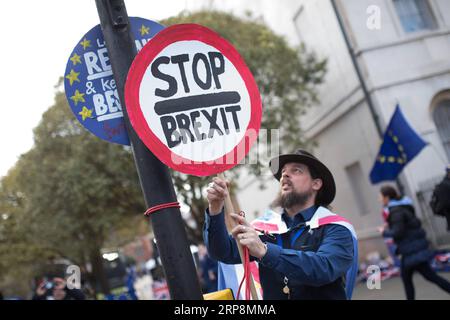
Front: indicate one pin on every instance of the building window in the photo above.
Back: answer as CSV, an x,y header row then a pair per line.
x,y
441,116
357,186
415,15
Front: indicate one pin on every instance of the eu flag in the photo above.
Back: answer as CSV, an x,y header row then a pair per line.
x,y
400,145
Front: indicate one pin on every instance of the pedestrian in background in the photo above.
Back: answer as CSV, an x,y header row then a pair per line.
x,y
409,236
208,270
390,244
56,289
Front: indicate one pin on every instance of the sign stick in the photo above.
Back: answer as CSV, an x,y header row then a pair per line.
x,y
230,209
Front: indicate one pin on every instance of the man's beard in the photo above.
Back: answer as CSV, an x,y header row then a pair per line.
x,y
291,199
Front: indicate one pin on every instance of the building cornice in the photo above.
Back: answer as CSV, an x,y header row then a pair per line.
x,y
409,39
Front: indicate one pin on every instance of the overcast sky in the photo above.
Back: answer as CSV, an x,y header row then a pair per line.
x,y
37,38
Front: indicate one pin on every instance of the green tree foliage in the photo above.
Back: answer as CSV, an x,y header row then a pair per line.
x,y
68,197
286,77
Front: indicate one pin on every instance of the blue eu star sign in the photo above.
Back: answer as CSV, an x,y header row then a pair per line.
x,y
90,86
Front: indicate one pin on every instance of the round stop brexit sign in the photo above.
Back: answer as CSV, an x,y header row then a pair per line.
x,y
193,101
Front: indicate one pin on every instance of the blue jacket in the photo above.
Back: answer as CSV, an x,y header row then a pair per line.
x,y
313,262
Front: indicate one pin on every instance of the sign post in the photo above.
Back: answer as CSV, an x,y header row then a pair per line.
x,y
154,176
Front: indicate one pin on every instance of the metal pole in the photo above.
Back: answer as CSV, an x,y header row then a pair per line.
x,y
367,97
358,71
156,182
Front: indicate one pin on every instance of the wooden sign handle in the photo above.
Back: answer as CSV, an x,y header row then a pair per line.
x,y
230,209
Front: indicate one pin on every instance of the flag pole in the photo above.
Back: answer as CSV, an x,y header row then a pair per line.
x,y
229,208
362,82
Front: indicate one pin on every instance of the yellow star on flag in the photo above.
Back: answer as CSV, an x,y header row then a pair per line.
x,y
85,113
144,30
73,76
77,97
75,59
85,43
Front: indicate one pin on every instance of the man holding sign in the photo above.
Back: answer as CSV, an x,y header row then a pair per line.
x,y
193,102
316,258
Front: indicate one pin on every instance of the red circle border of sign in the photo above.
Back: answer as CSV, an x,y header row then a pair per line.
x,y
167,36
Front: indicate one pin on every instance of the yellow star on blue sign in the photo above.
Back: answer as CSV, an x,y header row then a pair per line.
x,y
85,43
73,76
75,59
85,113
77,97
144,30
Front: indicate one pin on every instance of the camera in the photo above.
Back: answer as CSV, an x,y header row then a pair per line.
x,y
49,285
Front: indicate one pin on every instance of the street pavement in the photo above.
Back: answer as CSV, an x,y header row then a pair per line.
x,y
392,289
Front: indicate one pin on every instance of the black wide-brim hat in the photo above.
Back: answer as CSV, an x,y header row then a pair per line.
x,y
328,190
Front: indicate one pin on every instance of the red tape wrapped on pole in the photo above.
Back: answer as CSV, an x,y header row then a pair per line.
x,y
161,206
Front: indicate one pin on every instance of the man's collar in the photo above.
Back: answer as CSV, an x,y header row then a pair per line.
x,y
302,216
